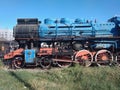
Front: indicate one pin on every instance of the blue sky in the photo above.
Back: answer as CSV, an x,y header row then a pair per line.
x,y
101,10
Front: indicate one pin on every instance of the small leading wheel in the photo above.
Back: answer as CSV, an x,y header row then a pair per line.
x,y
45,62
104,57
84,57
18,62
65,62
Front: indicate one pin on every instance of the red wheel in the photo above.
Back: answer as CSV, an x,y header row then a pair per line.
x,y
45,62
103,57
18,62
84,57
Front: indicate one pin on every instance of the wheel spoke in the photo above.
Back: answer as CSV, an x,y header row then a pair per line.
x,y
18,62
103,57
84,57
118,58
45,62
65,63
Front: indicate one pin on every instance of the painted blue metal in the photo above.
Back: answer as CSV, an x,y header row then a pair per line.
x,y
103,29
64,21
79,21
52,28
49,21
29,55
82,28
79,27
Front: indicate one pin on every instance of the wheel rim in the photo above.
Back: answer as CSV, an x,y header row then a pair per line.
x,y
103,57
18,62
64,64
84,57
45,62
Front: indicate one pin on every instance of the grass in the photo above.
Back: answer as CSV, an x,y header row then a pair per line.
x,y
73,78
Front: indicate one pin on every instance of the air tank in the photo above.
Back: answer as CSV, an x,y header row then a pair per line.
x,y
79,21
49,21
64,21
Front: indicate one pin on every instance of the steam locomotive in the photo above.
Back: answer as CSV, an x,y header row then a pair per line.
x,y
63,42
